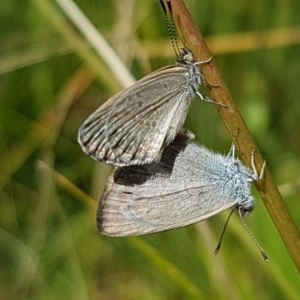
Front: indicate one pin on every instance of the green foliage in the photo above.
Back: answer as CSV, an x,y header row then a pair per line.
x,y
50,248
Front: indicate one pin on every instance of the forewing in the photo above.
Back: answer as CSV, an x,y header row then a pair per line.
x,y
157,197
133,127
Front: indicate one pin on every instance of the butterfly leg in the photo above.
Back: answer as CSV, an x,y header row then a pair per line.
x,y
262,170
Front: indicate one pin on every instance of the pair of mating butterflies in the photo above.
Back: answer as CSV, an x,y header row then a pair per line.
x,y
163,179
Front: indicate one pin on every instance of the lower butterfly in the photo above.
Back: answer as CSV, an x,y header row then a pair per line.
x,y
188,185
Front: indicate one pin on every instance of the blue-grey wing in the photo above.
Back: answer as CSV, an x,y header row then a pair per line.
x,y
173,193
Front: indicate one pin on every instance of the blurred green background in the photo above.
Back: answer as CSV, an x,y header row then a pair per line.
x,y
51,80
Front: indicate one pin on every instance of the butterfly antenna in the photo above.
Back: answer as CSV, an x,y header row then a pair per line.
x,y
223,232
262,252
171,25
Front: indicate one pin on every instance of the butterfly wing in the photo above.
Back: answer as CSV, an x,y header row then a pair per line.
x,y
134,126
173,193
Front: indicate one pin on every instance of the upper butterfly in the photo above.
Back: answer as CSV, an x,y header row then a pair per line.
x,y
134,126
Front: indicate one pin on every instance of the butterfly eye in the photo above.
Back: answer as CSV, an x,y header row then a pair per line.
x,y
186,56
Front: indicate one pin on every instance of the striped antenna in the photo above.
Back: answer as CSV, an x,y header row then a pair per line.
x,y
171,25
262,252
241,214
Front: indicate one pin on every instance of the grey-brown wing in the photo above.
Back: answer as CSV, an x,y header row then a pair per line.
x,y
133,127
157,197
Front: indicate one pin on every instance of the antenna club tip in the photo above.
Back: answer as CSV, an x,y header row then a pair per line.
x,y
216,251
265,257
